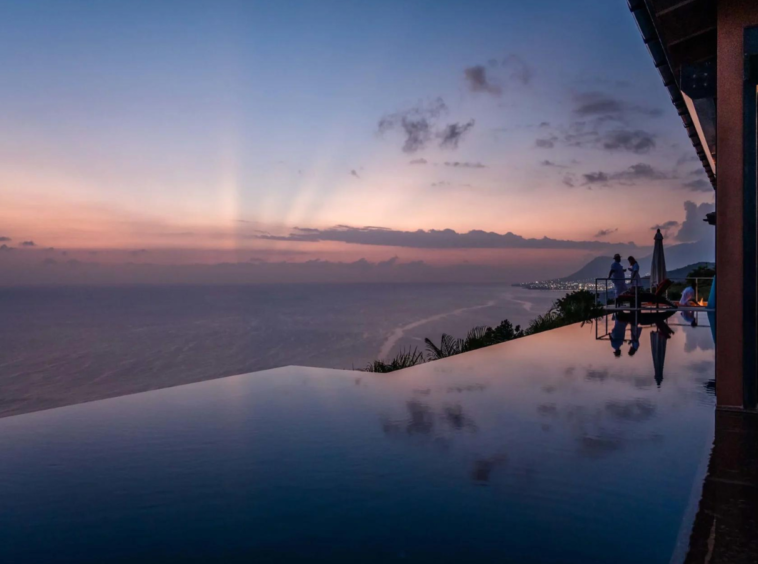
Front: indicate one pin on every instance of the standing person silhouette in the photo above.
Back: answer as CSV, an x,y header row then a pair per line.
x,y
617,275
635,283
634,268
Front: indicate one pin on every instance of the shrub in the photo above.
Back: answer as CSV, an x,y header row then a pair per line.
x,y
449,346
572,308
546,322
577,306
476,338
403,359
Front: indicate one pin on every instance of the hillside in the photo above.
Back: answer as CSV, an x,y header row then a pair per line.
x,y
684,257
685,270
596,268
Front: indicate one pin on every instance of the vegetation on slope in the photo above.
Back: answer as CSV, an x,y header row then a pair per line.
x,y
476,338
574,307
403,359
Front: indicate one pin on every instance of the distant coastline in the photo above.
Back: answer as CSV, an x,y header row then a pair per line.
x,y
678,257
573,282
567,285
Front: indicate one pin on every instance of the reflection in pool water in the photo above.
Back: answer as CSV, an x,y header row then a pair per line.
x,y
551,448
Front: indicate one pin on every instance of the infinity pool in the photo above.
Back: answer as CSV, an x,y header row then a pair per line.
x,y
584,444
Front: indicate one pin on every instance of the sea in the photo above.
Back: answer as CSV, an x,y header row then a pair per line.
x,y
68,345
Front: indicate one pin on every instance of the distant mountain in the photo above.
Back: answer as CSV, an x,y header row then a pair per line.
x,y
685,270
596,268
678,256
684,256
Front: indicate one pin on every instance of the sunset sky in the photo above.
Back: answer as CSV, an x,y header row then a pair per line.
x,y
202,132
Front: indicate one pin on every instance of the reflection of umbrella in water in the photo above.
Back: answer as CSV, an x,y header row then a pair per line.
x,y
658,340
658,264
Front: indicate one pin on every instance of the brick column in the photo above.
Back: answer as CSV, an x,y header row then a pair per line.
x,y
733,16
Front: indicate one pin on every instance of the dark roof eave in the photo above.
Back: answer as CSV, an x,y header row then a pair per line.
x,y
651,38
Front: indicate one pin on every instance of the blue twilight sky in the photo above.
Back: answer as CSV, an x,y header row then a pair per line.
x,y
218,126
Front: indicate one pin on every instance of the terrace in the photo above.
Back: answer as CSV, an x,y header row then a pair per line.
x,y
605,296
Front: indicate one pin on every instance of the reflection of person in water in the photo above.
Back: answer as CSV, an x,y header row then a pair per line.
x,y
634,332
617,336
690,317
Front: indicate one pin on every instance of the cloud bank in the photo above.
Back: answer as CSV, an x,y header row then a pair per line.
x,y
477,80
665,227
452,134
605,232
635,173
604,106
435,239
420,124
603,121
693,227
508,71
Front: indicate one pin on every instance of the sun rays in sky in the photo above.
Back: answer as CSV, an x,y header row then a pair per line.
x,y
210,132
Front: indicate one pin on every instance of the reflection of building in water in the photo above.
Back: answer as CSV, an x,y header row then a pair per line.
x,y
725,530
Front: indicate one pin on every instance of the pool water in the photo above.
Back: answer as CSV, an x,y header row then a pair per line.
x,y
560,447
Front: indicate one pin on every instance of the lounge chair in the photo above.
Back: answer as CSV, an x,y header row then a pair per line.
x,y
661,288
650,298
647,317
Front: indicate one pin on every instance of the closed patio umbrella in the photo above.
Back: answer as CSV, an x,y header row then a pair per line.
x,y
658,265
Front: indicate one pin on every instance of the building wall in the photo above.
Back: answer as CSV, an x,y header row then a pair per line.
x,y
732,18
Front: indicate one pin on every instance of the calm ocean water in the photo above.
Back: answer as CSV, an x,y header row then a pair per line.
x,y
69,345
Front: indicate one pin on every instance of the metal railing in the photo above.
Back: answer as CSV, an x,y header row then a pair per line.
x,y
603,331
644,286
